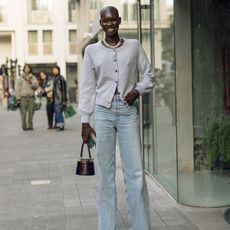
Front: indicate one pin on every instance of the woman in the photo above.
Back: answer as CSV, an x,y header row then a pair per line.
x,y
47,90
24,90
109,89
59,97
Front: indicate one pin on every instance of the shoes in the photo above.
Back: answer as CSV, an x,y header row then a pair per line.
x,y
27,129
60,128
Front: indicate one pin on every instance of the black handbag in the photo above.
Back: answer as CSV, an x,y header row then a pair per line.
x,y
85,167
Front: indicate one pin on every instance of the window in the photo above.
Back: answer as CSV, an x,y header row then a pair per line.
x,y
40,42
72,42
47,42
3,11
39,11
32,42
134,12
157,10
94,6
72,10
129,12
125,12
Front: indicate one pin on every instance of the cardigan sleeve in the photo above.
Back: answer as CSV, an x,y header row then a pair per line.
x,y
147,81
87,88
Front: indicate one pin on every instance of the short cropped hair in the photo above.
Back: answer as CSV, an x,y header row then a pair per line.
x,y
109,8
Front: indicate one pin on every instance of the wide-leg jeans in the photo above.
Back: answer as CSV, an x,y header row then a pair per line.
x,y
120,121
59,118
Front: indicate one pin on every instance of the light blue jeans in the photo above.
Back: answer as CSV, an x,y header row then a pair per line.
x,y
120,120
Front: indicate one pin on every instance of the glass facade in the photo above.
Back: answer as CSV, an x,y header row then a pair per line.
x,y
158,107
199,178
146,103
165,116
208,185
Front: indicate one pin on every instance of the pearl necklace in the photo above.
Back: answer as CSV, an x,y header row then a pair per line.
x,y
113,47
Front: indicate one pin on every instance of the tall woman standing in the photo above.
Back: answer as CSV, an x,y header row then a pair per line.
x,y
109,87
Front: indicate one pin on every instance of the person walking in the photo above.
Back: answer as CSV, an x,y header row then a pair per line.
x,y
109,88
47,86
25,86
59,97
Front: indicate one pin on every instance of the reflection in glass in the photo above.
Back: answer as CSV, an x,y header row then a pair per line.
x,y
166,164
208,185
147,99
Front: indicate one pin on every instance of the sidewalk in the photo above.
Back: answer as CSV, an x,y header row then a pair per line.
x,y
40,191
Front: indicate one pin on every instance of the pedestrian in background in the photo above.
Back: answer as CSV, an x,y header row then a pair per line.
x,y
26,84
47,86
59,97
109,88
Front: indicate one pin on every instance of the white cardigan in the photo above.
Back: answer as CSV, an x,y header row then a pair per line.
x,y
105,69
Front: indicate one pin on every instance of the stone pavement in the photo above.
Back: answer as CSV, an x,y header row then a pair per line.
x,y
40,191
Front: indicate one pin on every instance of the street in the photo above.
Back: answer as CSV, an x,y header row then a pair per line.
x,y
39,189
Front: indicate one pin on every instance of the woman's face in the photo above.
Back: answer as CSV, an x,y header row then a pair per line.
x,y
55,71
110,21
27,69
42,76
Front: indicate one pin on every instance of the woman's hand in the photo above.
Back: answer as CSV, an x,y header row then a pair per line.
x,y
132,96
49,94
85,132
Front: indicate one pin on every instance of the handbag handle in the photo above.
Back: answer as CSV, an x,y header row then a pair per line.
x,y
82,147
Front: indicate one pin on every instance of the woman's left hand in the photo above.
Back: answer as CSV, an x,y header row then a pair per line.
x,y
85,132
132,96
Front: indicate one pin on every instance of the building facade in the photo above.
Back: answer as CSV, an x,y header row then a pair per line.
x,y
41,33
188,45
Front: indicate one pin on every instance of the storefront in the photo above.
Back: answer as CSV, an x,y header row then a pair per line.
x,y
190,53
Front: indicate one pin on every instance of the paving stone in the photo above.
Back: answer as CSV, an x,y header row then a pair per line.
x,y
69,202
